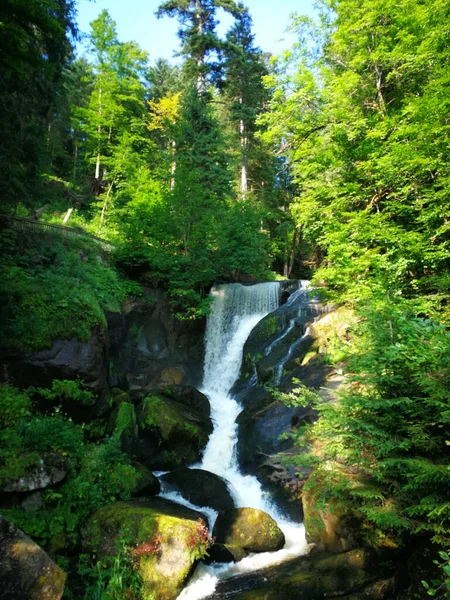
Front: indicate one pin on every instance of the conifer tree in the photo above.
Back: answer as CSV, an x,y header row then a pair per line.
x,y
242,88
197,32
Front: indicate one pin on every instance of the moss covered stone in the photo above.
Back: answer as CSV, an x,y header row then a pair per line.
x,y
122,418
352,575
169,530
26,571
245,530
175,432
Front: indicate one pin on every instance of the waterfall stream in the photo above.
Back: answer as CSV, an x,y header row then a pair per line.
x,y
236,309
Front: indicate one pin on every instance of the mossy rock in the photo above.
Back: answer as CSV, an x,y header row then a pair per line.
x,y
26,571
329,528
172,434
118,398
189,396
174,527
121,419
352,575
245,530
147,484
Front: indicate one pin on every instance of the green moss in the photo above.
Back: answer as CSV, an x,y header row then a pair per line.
x,y
55,289
49,585
126,418
162,571
169,419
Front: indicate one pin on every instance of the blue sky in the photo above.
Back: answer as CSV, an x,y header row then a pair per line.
x,y
136,21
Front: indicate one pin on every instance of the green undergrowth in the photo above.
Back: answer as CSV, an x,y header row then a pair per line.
x,y
97,473
380,450
54,287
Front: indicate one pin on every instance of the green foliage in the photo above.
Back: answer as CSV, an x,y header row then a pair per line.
x,y
114,577
301,395
442,590
34,48
98,473
14,406
54,289
383,445
66,390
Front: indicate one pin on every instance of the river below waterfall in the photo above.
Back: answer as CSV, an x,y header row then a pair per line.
x,y
236,309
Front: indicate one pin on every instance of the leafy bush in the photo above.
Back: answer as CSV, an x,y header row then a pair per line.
x,y
67,390
381,450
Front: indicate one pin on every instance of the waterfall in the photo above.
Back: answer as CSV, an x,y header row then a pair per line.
x,y
236,309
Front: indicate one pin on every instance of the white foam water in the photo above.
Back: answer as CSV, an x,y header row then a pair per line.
x,y
235,311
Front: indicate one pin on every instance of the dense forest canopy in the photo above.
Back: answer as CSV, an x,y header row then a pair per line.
x,y
332,159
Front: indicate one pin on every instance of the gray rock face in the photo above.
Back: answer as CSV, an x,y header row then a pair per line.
x,y
52,469
201,487
144,347
26,571
273,356
66,359
150,348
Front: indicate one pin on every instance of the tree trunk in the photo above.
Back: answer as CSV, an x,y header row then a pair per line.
x,y
289,261
173,169
99,136
201,82
75,160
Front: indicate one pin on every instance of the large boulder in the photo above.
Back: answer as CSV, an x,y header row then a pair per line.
x,y
187,395
330,529
201,487
171,434
240,531
65,359
167,537
354,575
26,571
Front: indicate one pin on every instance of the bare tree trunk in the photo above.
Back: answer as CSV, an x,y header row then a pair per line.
x,y
201,82
174,165
289,259
105,204
99,136
75,160
67,217
244,157
379,84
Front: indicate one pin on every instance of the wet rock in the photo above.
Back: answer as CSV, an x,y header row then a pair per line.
x,y
189,396
33,502
171,434
167,536
26,571
245,530
354,575
52,469
200,487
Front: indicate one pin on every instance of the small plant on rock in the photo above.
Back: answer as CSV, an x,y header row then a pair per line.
x,y
199,541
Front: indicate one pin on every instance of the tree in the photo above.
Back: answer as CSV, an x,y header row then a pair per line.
x,y
164,79
34,48
242,89
197,31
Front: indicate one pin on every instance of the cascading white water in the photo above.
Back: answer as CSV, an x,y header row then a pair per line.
x,y
235,311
